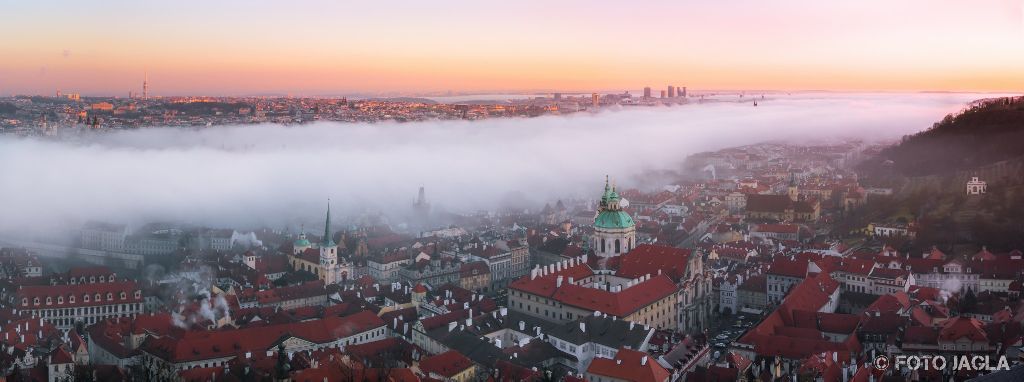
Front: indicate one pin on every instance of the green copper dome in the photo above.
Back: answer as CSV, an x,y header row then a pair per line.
x,y
613,219
301,242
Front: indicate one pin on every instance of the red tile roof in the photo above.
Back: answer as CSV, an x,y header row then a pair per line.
x,y
783,266
545,285
963,327
620,304
201,344
78,293
648,259
629,365
447,364
294,292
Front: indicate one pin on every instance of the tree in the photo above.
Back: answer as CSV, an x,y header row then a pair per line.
x,y
282,368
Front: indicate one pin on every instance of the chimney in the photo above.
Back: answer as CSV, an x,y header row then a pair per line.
x,y
571,279
504,311
469,322
522,326
452,325
643,361
497,342
583,327
558,282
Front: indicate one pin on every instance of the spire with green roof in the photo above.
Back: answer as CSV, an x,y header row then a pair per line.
x,y
328,240
610,215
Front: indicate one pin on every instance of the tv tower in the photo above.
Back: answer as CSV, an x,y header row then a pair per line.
x,y
145,86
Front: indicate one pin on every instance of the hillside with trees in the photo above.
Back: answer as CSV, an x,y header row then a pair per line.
x,y
987,131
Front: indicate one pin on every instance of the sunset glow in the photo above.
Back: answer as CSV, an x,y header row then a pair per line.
x,y
330,48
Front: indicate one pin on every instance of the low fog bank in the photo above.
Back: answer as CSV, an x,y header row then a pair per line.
x,y
271,175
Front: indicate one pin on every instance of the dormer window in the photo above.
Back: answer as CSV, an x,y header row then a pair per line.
x,y
92,279
60,300
85,298
110,296
35,301
49,300
124,295
97,298
71,299
138,294
24,301
103,279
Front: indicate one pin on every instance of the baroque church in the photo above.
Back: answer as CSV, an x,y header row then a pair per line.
x,y
324,261
615,236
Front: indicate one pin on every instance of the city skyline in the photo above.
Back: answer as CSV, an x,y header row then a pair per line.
x,y
316,48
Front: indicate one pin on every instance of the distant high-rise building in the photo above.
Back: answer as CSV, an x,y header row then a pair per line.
x,y
595,100
671,91
145,86
663,94
647,92
682,93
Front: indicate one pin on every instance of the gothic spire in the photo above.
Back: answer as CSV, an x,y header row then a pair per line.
x,y
328,240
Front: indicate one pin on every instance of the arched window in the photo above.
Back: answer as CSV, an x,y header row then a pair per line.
x,y
71,299
85,298
603,248
618,246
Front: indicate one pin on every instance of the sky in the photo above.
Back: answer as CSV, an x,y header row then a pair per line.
x,y
425,47
276,176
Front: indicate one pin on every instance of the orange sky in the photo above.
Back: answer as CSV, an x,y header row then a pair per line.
x,y
320,48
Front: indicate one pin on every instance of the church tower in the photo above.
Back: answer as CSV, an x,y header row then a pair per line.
x,y
614,229
328,252
793,191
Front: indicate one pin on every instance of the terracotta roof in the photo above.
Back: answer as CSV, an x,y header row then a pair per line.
x,y
648,259
629,365
78,293
201,344
962,327
622,303
447,364
293,292
545,285
783,266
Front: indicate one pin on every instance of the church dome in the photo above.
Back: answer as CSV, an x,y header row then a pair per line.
x,y
301,242
613,219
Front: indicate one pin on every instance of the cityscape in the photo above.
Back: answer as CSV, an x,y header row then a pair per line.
x,y
575,192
